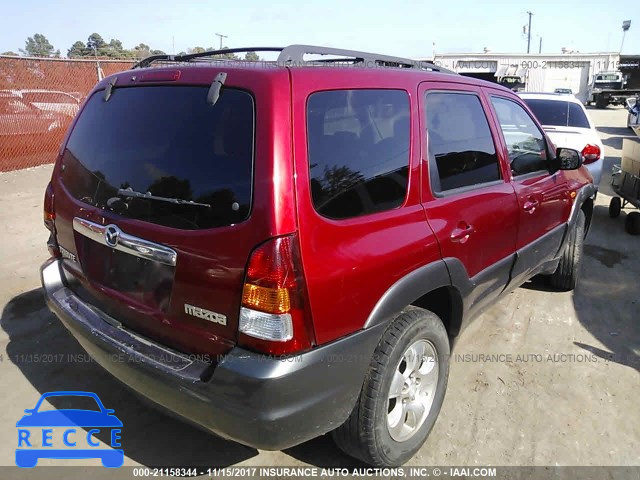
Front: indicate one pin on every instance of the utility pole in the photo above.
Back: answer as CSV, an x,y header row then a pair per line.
x,y
529,32
625,26
540,47
221,37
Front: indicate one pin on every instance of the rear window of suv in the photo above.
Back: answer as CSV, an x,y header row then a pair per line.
x,y
358,147
558,113
167,141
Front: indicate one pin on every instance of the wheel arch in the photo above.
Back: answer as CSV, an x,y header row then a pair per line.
x,y
587,208
446,303
427,287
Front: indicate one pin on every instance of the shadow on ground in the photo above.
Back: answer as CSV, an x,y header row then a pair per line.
x,y
149,436
606,300
618,135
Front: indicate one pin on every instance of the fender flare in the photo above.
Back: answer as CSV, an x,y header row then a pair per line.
x,y
585,192
408,289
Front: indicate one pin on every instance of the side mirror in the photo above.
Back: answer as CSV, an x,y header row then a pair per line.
x,y
568,159
632,103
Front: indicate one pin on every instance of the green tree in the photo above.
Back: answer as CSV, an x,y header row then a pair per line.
x,y
115,49
252,57
10,54
157,52
196,50
230,56
39,46
78,49
96,44
142,51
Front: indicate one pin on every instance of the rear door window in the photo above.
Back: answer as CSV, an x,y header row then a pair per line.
x,y
460,145
169,142
358,149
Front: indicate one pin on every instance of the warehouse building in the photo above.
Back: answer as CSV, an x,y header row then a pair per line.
x,y
534,72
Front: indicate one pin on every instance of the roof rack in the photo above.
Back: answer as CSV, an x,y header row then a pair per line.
x,y
190,56
293,55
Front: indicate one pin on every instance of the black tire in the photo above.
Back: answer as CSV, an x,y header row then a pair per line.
x,y
632,223
601,102
566,275
365,435
615,206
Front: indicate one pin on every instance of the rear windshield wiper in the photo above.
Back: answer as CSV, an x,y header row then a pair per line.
x,y
129,192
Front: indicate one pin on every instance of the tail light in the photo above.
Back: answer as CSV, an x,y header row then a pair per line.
x,y
49,221
590,153
274,316
49,212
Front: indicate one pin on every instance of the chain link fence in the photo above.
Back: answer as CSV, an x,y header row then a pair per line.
x,y
38,99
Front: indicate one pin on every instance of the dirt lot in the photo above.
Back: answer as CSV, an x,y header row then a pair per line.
x,y
568,394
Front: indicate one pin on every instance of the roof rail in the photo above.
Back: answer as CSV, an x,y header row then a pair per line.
x,y
293,55
210,53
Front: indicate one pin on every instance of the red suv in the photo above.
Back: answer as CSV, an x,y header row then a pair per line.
x,y
280,250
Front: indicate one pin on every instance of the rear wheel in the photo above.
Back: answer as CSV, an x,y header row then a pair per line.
x,y
566,275
615,206
632,223
402,394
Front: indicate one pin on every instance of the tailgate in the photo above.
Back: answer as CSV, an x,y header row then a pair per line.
x,y
152,206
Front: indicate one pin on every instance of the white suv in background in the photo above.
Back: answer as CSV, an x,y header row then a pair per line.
x,y
567,123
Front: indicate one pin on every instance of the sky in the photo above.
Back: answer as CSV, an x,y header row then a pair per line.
x,y
402,27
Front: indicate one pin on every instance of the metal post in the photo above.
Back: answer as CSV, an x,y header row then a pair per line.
x,y
540,47
529,32
625,26
221,37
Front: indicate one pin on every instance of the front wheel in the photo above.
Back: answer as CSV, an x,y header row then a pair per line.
x,y
402,394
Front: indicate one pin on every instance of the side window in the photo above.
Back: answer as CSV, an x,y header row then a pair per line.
x,y
461,149
525,142
358,149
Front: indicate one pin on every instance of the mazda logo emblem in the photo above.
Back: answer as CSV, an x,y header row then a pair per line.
x,y
111,235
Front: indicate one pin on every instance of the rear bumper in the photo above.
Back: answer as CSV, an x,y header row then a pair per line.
x,y
260,401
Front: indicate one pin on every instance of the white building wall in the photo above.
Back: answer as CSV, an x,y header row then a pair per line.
x,y
543,72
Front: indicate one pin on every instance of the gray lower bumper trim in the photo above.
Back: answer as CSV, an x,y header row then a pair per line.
x,y
260,401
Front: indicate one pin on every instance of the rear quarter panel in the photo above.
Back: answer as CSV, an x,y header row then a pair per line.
x,y
349,264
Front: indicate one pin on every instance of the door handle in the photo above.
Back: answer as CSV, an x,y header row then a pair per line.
x,y
462,234
530,205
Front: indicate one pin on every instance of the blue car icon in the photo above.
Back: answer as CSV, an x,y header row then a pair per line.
x,y
34,423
